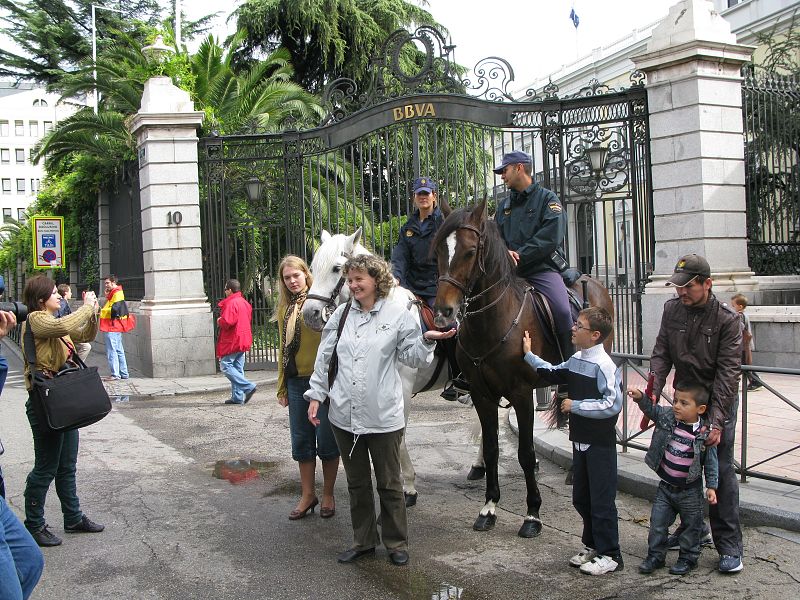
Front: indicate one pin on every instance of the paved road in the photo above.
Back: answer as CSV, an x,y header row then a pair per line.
x,y
173,531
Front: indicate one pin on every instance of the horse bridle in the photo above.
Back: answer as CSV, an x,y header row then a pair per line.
x,y
466,289
329,302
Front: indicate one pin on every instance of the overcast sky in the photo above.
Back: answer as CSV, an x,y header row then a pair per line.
x,y
535,36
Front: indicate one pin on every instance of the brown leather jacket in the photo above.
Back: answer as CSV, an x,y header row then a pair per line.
x,y
704,344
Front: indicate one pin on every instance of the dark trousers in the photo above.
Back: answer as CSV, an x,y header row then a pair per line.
x,y
55,457
670,501
384,449
594,491
724,515
551,285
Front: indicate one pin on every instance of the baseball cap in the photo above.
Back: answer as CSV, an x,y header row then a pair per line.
x,y
423,184
513,158
687,268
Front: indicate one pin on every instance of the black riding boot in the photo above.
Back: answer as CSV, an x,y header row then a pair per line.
x,y
567,349
457,384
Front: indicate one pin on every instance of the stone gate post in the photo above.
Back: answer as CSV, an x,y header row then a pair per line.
x,y
175,321
695,100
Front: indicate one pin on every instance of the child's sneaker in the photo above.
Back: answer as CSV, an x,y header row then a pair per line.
x,y
602,564
582,558
730,564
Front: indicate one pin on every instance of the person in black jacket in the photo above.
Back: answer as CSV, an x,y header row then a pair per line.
x,y
533,224
413,265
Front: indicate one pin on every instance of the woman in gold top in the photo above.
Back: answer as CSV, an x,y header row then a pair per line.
x,y
297,352
55,454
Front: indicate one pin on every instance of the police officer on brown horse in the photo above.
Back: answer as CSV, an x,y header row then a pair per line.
x,y
532,222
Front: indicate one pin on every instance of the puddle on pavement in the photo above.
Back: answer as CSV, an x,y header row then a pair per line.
x,y
447,591
240,470
127,398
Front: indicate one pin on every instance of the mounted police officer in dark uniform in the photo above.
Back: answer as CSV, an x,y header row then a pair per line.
x,y
533,223
414,265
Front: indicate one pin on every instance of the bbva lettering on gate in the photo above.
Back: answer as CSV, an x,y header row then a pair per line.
x,y
409,111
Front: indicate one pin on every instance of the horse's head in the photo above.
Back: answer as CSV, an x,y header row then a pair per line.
x,y
329,288
459,245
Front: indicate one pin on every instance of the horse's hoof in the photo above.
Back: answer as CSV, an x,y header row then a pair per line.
x,y
485,522
476,473
536,466
530,529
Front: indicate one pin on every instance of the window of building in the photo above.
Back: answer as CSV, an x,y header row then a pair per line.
x,y
6,186
35,185
21,215
48,126
20,152
20,186
4,128
33,128
6,214
5,156
19,128
40,103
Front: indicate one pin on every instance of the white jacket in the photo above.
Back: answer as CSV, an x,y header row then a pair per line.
x,y
367,395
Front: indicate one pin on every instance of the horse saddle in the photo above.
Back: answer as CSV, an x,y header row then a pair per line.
x,y
541,304
425,313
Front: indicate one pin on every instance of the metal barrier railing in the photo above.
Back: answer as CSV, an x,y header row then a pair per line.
x,y
631,437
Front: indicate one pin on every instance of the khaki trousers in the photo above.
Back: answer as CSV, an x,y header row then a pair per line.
x,y
384,449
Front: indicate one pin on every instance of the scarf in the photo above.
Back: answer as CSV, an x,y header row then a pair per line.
x,y
291,326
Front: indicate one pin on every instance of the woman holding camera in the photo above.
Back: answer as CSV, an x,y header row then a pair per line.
x,y
55,453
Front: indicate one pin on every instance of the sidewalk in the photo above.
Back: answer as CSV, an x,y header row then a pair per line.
x,y
138,385
762,502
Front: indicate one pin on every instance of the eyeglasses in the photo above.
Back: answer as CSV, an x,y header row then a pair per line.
x,y
506,168
577,325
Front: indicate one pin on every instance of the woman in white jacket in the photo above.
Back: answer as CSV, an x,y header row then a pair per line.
x,y
366,400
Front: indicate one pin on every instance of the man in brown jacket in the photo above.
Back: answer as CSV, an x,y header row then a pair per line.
x,y
702,339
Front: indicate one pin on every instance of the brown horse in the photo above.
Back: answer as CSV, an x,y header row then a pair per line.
x,y
479,291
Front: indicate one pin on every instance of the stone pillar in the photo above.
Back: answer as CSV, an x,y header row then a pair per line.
x,y
175,329
697,152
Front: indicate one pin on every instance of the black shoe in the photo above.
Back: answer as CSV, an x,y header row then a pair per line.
x,y
411,499
682,567
450,394
45,538
353,554
398,557
232,401
249,394
460,385
650,564
85,525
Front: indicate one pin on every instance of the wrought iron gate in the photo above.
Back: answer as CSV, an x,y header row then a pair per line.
x,y
267,195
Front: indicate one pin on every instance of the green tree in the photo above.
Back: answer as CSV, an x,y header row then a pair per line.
x,y
326,39
53,37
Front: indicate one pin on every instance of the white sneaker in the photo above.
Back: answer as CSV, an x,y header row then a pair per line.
x,y
582,558
600,565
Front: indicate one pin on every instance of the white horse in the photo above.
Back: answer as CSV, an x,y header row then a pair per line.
x,y
329,290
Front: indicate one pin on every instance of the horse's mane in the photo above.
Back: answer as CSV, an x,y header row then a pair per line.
x,y
496,258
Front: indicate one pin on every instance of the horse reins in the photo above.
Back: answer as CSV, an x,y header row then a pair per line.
x,y
330,301
466,290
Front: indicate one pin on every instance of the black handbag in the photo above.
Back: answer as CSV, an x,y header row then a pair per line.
x,y
333,366
73,397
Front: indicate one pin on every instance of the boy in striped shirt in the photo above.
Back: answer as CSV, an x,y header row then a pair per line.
x,y
679,455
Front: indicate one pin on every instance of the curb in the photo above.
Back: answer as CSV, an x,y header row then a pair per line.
x,y
635,478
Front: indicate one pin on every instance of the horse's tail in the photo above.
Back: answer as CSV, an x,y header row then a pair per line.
x,y
554,417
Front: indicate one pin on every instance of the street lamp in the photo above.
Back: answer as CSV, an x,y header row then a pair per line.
x,y
253,188
94,47
597,155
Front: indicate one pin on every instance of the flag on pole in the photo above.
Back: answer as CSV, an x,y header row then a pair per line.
x,y
574,18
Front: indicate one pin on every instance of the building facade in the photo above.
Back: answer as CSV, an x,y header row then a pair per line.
x,y
27,113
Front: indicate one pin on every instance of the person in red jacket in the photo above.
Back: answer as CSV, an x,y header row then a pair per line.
x,y
235,338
